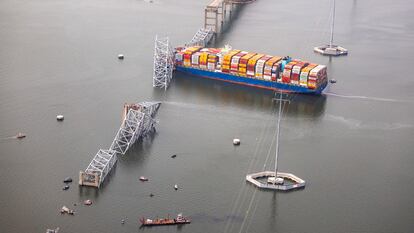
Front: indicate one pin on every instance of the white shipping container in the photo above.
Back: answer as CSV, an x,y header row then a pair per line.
x,y
259,68
179,57
259,72
194,58
303,79
235,60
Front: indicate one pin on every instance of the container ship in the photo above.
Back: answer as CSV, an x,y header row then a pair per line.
x,y
252,69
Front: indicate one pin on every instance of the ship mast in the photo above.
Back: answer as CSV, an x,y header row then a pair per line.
x,y
278,133
332,24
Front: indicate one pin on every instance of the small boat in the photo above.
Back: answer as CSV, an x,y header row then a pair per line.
x,y
236,141
20,135
143,178
165,221
176,187
60,117
173,156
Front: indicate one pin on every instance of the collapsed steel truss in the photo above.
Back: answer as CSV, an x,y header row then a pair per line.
x,y
138,122
163,63
202,37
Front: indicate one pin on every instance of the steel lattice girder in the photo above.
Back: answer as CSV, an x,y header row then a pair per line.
x,y
137,123
102,163
163,63
202,37
129,131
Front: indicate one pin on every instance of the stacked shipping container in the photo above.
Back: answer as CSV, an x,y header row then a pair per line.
x,y
253,65
225,67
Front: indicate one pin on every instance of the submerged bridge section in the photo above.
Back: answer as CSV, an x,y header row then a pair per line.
x,y
202,37
137,123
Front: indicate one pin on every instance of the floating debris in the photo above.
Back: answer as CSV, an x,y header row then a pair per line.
x,y
65,209
151,195
60,117
66,187
122,221
332,81
52,230
67,180
120,56
173,156
236,141
143,178
87,202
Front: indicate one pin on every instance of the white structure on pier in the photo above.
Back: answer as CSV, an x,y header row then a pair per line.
x,y
138,122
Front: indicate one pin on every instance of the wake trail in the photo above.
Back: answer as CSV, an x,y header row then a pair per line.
x,y
367,98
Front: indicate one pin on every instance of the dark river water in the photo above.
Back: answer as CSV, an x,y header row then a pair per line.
x,y
354,145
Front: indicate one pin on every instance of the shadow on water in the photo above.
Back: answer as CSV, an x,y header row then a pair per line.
x,y
231,22
244,97
89,192
135,156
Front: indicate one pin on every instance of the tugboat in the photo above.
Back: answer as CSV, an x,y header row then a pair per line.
x,y
165,221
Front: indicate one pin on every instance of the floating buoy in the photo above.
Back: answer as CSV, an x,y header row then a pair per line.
x,y
120,56
176,187
236,141
60,117
332,80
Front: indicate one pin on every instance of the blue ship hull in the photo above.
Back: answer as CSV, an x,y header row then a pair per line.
x,y
251,81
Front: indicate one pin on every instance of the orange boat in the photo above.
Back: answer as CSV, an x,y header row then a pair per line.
x,y
165,221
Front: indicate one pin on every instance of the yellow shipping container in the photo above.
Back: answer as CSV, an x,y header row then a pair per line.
x,y
252,61
229,55
191,50
272,60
